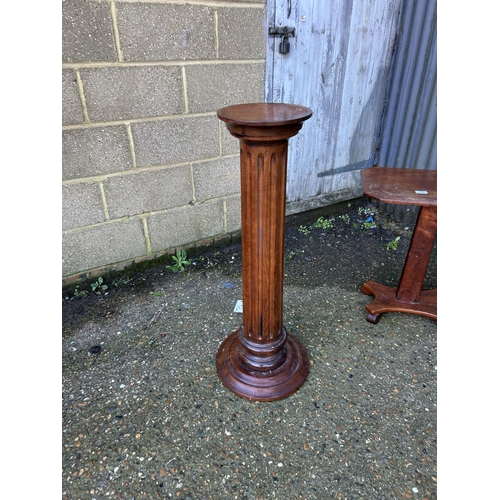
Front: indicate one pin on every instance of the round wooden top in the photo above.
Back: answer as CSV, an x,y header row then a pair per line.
x,y
401,186
270,114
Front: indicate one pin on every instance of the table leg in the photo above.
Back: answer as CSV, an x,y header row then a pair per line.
x,y
408,296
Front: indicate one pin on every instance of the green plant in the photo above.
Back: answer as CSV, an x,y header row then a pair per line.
x,y
364,226
180,259
205,261
121,281
304,230
393,245
98,286
292,254
80,293
323,223
367,224
345,218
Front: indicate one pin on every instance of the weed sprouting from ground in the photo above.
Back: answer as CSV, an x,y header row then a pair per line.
x,y
324,223
99,286
393,245
180,261
365,222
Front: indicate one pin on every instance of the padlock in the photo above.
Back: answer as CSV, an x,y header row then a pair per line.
x,y
284,45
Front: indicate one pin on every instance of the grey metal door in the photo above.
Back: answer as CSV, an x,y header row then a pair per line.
x,y
337,64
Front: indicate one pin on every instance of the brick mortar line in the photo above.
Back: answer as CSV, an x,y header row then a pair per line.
x,y
231,196
116,34
103,177
104,202
147,239
185,90
219,136
208,3
129,121
193,189
224,215
80,229
131,144
216,27
81,93
176,62
130,218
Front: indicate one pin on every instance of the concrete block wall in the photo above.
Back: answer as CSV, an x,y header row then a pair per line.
x,y
146,165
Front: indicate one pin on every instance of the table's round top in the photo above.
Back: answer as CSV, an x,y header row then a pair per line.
x,y
401,186
264,114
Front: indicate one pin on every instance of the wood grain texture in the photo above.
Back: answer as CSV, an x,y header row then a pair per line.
x,y
261,361
400,185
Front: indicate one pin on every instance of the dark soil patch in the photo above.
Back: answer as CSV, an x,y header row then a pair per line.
x,y
334,245
352,251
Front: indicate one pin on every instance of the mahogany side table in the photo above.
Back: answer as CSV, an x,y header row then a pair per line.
x,y
405,187
261,361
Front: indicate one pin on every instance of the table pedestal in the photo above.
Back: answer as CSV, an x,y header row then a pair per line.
x,y
409,297
406,187
262,361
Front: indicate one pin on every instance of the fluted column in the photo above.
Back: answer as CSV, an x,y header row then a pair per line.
x,y
261,360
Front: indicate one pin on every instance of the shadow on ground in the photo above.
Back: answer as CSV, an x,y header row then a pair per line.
x,y
145,415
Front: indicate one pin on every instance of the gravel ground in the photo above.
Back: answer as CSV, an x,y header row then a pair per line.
x,y
145,415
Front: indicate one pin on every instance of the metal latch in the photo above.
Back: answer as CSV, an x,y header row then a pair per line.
x,y
284,32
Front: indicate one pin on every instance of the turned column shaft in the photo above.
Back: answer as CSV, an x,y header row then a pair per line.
x,y
263,188
263,221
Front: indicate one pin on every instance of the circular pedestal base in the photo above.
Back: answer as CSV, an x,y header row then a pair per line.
x,y
262,385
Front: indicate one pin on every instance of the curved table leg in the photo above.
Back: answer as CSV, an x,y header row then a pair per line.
x,y
409,297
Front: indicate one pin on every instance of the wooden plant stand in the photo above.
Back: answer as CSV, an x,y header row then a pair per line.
x,y
261,361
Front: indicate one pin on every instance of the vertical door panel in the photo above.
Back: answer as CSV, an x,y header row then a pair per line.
x,y
337,65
